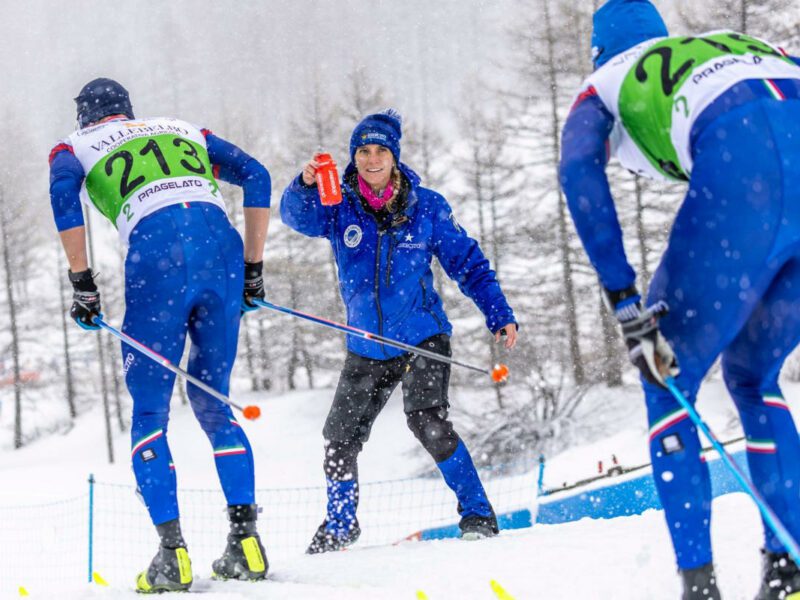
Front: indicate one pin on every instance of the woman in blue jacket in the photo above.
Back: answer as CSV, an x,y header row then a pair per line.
x,y
385,234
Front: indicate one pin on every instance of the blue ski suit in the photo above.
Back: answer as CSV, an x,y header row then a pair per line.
x,y
385,276
731,277
184,274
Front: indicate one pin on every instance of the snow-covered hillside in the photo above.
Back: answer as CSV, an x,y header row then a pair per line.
x,y
627,558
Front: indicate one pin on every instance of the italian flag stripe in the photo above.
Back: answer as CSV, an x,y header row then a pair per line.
x,y
776,401
146,440
230,451
761,446
185,204
774,89
172,466
668,421
235,423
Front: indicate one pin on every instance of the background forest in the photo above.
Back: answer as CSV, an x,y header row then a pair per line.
x,y
484,88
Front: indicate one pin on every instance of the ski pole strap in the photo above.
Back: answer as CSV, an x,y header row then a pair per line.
x,y
369,336
770,518
155,356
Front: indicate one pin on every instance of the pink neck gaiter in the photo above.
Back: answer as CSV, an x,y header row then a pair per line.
x,y
375,201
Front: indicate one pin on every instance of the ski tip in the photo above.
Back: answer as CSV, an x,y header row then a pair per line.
x,y
23,592
251,412
499,591
98,579
421,595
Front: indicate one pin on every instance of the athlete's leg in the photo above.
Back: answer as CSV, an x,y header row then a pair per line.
x,y
716,267
154,297
216,293
751,365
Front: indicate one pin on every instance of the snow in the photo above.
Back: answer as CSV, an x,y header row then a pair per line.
x,y
624,558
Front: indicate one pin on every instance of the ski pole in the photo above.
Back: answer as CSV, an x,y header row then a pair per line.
x,y
767,513
498,374
250,412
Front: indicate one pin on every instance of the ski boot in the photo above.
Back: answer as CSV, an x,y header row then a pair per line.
x,y
477,527
781,580
700,583
244,556
170,570
332,538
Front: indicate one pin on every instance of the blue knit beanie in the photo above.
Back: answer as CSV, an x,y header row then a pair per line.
x,y
383,128
623,24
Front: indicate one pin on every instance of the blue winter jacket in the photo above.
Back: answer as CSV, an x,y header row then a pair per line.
x,y
385,275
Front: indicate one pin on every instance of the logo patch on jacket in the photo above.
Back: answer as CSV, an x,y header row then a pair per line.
x,y
410,244
352,236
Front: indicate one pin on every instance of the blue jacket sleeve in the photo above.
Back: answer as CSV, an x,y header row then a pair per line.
x,y
66,178
235,166
302,211
462,259
583,178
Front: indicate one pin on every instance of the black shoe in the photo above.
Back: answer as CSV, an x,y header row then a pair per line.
x,y
476,527
325,540
244,556
700,583
169,571
781,579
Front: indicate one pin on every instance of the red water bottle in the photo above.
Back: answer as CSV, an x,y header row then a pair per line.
x,y
330,192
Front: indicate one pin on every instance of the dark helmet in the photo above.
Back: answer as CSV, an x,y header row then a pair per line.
x,y
100,98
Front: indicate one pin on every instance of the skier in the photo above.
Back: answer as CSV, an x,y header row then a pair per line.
x,y
721,112
384,235
185,272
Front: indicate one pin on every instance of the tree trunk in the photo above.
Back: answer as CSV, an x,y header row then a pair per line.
x,y
743,17
612,367
570,304
68,379
115,380
101,353
12,314
251,367
266,380
641,236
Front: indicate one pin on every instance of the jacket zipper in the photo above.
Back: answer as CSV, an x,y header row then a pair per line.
x,y
392,244
425,301
378,286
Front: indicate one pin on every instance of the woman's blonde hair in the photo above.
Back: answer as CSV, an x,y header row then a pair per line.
x,y
397,182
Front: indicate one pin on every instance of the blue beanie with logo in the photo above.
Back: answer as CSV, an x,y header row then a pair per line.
x,y
623,24
383,128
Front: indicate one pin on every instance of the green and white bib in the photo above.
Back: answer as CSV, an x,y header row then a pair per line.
x,y
135,167
657,89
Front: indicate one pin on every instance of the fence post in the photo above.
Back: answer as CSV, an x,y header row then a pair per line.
x,y
540,482
539,490
91,525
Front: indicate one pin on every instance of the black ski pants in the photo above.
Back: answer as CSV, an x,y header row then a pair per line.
x,y
365,385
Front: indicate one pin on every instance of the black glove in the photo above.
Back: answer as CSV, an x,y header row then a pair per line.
x,y
85,299
253,285
647,348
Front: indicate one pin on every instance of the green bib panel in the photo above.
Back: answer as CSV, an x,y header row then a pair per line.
x,y
113,181
651,90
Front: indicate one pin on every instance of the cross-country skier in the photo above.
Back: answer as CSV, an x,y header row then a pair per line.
x,y
384,235
186,272
720,111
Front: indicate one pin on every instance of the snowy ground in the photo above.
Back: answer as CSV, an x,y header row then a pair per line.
x,y
626,558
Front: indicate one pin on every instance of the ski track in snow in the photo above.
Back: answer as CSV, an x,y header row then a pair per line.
x,y
625,558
